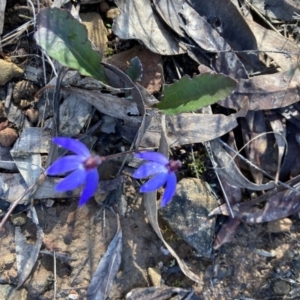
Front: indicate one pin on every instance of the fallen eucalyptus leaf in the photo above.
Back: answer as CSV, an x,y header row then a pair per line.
x,y
151,211
12,186
227,232
279,9
225,18
188,128
160,293
27,253
226,62
111,105
279,205
107,269
65,39
229,170
138,21
253,130
266,91
273,43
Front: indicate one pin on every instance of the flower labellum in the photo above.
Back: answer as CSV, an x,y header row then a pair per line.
x,y
163,171
83,166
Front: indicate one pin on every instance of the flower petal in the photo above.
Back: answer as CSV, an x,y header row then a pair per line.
x,y
65,164
72,145
154,183
169,190
149,169
72,181
153,156
91,183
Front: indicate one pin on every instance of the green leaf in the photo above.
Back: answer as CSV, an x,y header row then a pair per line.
x,y
65,39
189,94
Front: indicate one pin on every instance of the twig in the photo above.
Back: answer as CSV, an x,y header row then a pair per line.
x,y
256,167
54,271
262,17
208,149
33,11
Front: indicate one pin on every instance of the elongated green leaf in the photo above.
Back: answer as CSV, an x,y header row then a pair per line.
x,y
189,94
65,39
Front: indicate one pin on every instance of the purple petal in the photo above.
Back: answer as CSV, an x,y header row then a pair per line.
x,y
92,180
149,169
154,183
72,181
153,156
169,190
72,145
65,164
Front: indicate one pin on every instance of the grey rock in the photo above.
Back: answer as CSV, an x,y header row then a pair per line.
x,y
187,214
281,287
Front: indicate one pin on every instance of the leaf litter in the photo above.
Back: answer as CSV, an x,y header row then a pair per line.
x,y
171,29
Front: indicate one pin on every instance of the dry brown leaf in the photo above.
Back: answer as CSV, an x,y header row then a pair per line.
x,y
188,128
138,21
227,168
27,253
107,269
12,186
279,203
226,233
151,210
271,42
151,77
254,127
159,293
279,9
228,21
266,91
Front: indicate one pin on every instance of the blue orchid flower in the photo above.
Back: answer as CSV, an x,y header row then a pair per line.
x,y
82,165
164,171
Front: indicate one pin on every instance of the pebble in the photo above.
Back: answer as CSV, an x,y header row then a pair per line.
x,y
187,214
19,219
73,295
281,287
112,13
8,260
278,226
8,71
23,89
155,276
7,137
32,115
